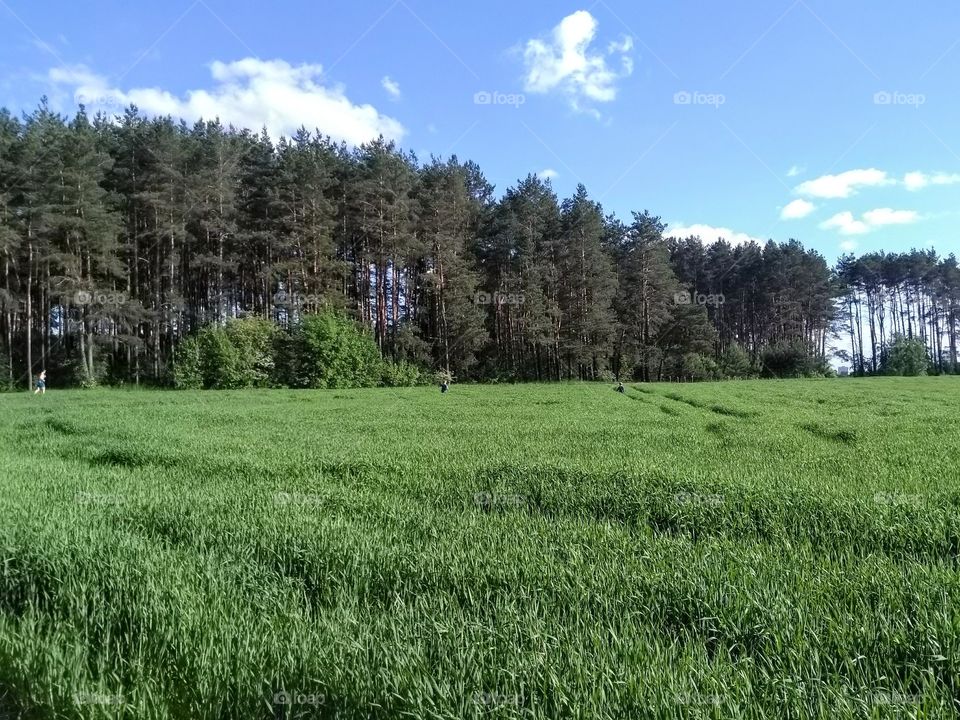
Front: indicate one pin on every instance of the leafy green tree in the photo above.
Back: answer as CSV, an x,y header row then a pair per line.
x,y
735,362
255,344
332,351
788,359
188,365
906,356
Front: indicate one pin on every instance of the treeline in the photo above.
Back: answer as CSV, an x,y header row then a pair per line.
x,y
122,237
885,297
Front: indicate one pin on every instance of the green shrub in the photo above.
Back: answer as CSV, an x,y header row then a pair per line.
x,y
401,374
787,360
332,351
906,356
187,365
253,339
735,362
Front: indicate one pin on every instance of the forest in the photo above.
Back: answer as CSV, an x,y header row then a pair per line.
x,y
123,236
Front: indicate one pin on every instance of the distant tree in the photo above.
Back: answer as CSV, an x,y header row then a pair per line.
x,y
735,362
906,356
787,359
168,229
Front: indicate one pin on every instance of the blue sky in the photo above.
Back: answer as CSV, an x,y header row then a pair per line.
x,y
832,123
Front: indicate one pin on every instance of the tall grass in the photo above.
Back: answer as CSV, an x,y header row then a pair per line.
x,y
737,550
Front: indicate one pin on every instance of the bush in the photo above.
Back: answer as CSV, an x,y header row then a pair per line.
x,y
905,357
401,374
785,360
253,340
188,365
735,362
321,351
331,351
699,367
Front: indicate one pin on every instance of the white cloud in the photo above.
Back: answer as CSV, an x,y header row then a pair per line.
x,y
794,171
710,234
848,245
845,184
247,93
391,86
624,46
847,224
799,208
565,62
887,216
548,174
917,180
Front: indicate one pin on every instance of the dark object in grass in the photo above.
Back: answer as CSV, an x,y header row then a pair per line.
x,y
444,387
620,388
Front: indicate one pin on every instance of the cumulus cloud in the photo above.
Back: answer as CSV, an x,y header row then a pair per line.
x,y
917,180
548,174
709,234
799,208
391,86
845,184
847,224
247,93
566,62
887,216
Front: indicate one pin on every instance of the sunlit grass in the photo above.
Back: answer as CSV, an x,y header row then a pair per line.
x,y
751,549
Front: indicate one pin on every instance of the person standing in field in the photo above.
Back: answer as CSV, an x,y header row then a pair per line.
x,y
41,383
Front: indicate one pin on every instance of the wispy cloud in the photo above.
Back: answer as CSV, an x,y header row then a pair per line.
x,y
391,86
917,180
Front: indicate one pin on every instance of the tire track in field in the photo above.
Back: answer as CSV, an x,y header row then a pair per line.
x,y
715,408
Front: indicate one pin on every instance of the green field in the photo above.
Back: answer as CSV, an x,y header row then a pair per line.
x,y
756,549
